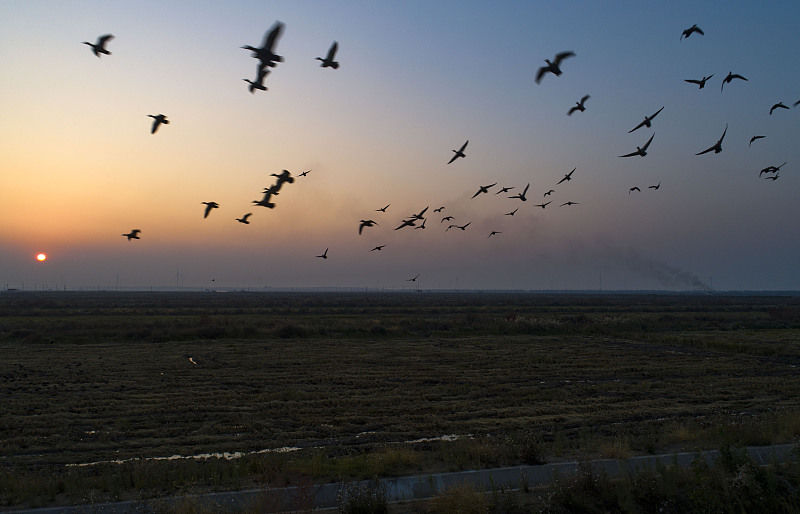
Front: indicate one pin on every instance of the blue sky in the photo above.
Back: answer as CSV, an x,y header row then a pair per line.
x,y
416,80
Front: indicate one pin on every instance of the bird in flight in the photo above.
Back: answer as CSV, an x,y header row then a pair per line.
x,y
512,212
701,82
778,105
304,173
634,188
549,193
655,187
158,119
283,176
244,219
771,169
796,103
328,61
773,177
647,121
421,226
365,223
755,138
569,203
483,189
729,78
522,196
494,232
413,279
543,205
264,202
383,209
419,215
440,209
324,254
504,190
259,82
462,227
407,223
446,218
553,67
459,152
567,177
691,30
209,206
378,248
100,46
578,106
717,147
641,150
133,234
265,54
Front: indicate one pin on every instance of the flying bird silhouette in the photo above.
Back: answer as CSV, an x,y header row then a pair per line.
x,y
209,206
440,209
99,47
567,177
553,67
133,234
413,279
549,193
634,188
459,152
522,196
578,106
504,190
691,30
259,82
378,248
569,203
494,232
304,173
328,61
796,103
483,189
407,223
647,121
641,150
243,219
773,177
383,209
778,105
365,223
419,215
755,138
446,218
462,227
158,119
543,205
266,54
655,187
717,147
771,169
701,82
729,78
512,212
324,254
421,226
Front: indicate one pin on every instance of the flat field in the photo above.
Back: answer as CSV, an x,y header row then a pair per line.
x,y
359,385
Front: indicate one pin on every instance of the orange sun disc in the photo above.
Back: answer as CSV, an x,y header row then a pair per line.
x,y
41,257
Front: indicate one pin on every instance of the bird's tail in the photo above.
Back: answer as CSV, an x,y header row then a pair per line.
x,y
335,66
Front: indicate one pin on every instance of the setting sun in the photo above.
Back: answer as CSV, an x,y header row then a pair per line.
x,y
41,257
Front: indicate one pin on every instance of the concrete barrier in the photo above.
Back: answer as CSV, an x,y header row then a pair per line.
x,y
417,487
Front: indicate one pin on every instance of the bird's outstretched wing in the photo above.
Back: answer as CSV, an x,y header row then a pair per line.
x,y
540,73
649,141
573,109
706,150
628,155
640,125
561,56
332,51
693,81
102,40
464,146
272,36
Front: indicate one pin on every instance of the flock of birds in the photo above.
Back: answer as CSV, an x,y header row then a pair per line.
x,y
267,59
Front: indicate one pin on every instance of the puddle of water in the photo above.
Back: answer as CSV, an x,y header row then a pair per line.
x,y
199,456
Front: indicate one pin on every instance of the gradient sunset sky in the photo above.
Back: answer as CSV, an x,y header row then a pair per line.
x,y
79,167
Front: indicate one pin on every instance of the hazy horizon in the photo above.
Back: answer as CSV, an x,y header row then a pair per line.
x,y
417,79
